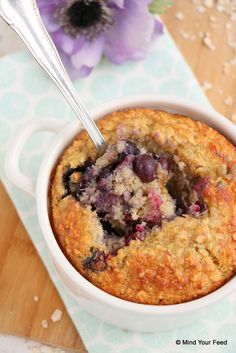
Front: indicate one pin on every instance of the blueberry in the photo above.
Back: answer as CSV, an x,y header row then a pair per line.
x,y
131,148
68,185
96,262
145,167
87,177
109,229
107,170
105,201
121,157
66,178
176,193
103,185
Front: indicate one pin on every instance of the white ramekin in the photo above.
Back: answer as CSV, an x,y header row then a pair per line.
x,y
106,307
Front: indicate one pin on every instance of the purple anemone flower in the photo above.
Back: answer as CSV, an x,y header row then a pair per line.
x,y
84,30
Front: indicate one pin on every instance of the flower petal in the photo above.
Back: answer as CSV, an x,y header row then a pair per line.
x,y
89,54
118,3
158,29
74,73
66,43
42,3
48,16
130,36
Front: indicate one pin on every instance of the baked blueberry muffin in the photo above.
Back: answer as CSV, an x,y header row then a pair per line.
x,y
152,220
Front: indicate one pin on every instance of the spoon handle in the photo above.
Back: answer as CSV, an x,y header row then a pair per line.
x,y
24,18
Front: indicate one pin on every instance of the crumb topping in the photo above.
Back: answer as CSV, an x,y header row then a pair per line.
x,y
133,190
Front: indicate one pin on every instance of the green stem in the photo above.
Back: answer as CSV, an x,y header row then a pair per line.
x,y
160,6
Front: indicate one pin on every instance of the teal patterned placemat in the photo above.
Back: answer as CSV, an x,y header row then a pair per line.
x,y
26,93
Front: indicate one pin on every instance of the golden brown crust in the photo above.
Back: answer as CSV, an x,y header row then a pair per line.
x,y
186,258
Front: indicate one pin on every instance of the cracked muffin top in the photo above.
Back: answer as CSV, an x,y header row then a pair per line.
x,y
152,220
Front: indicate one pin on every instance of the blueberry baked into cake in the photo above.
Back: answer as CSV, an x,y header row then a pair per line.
x,y
152,220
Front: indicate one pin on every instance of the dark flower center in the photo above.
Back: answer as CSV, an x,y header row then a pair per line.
x,y
84,13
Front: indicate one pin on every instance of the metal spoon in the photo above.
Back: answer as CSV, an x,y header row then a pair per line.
x,y
24,18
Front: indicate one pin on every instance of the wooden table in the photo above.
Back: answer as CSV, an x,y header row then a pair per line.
x,y
208,65
19,313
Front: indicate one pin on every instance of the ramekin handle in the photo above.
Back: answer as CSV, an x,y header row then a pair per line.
x,y
12,159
